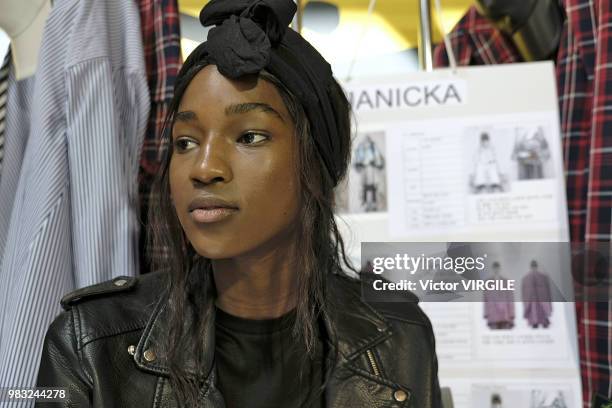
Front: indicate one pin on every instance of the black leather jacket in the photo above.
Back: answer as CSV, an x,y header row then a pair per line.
x,y
106,349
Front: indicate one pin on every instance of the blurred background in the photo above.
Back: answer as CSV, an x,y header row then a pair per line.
x,y
381,44
385,43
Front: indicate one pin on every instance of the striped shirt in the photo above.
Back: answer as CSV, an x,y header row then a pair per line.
x,y
73,219
4,72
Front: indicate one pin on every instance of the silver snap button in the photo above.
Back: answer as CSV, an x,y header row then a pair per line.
x,y
400,395
120,282
149,355
132,350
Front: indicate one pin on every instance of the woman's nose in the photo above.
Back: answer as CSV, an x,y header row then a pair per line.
x,y
212,164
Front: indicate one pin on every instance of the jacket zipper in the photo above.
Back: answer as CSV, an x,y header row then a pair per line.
x,y
373,363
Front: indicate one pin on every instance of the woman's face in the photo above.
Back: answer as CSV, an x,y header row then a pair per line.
x,y
232,171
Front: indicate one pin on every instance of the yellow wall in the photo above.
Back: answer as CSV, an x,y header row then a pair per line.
x,y
398,17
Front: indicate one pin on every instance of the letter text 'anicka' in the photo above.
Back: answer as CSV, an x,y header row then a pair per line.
x,y
409,95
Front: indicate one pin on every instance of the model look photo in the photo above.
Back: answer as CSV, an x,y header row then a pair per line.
x,y
253,305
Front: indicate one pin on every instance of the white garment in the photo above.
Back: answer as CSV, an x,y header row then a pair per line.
x,y
486,172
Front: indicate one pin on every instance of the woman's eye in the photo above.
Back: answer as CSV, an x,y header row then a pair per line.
x,y
252,138
182,144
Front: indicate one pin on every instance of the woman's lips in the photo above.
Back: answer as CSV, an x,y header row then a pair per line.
x,y
213,214
206,208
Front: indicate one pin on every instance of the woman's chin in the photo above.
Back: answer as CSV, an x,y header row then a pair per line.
x,y
214,253
216,249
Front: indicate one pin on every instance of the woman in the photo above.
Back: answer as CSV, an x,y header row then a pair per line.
x,y
370,163
256,311
487,176
530,152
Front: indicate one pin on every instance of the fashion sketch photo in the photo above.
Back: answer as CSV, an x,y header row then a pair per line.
x,y
487,177
500,155
536,293
365,189
520,396
498,305
531,153
486,172
548,399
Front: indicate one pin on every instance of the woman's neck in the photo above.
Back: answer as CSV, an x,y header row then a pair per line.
x,y
261,286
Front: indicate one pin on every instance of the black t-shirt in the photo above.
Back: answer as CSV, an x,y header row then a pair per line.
x,y
258,364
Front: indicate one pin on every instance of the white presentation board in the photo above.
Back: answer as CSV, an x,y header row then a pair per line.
x,y
472,155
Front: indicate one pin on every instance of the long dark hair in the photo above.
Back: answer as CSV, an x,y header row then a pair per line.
x,y
321,248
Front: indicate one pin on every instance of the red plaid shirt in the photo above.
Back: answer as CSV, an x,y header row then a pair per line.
x,y
161,35
584,80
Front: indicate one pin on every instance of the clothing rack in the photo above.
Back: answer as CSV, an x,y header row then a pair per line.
x,y
425,39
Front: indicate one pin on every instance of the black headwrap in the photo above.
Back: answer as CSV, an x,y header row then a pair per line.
x,y
252,35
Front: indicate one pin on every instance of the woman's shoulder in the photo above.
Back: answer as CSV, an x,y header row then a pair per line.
x,y
120,305
120,288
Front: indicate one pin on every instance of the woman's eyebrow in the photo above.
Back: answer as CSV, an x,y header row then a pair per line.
x,y
239,108
185,116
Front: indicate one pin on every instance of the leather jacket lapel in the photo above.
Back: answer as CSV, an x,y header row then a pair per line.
x,y
359,328
356,327
150,357
150,352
